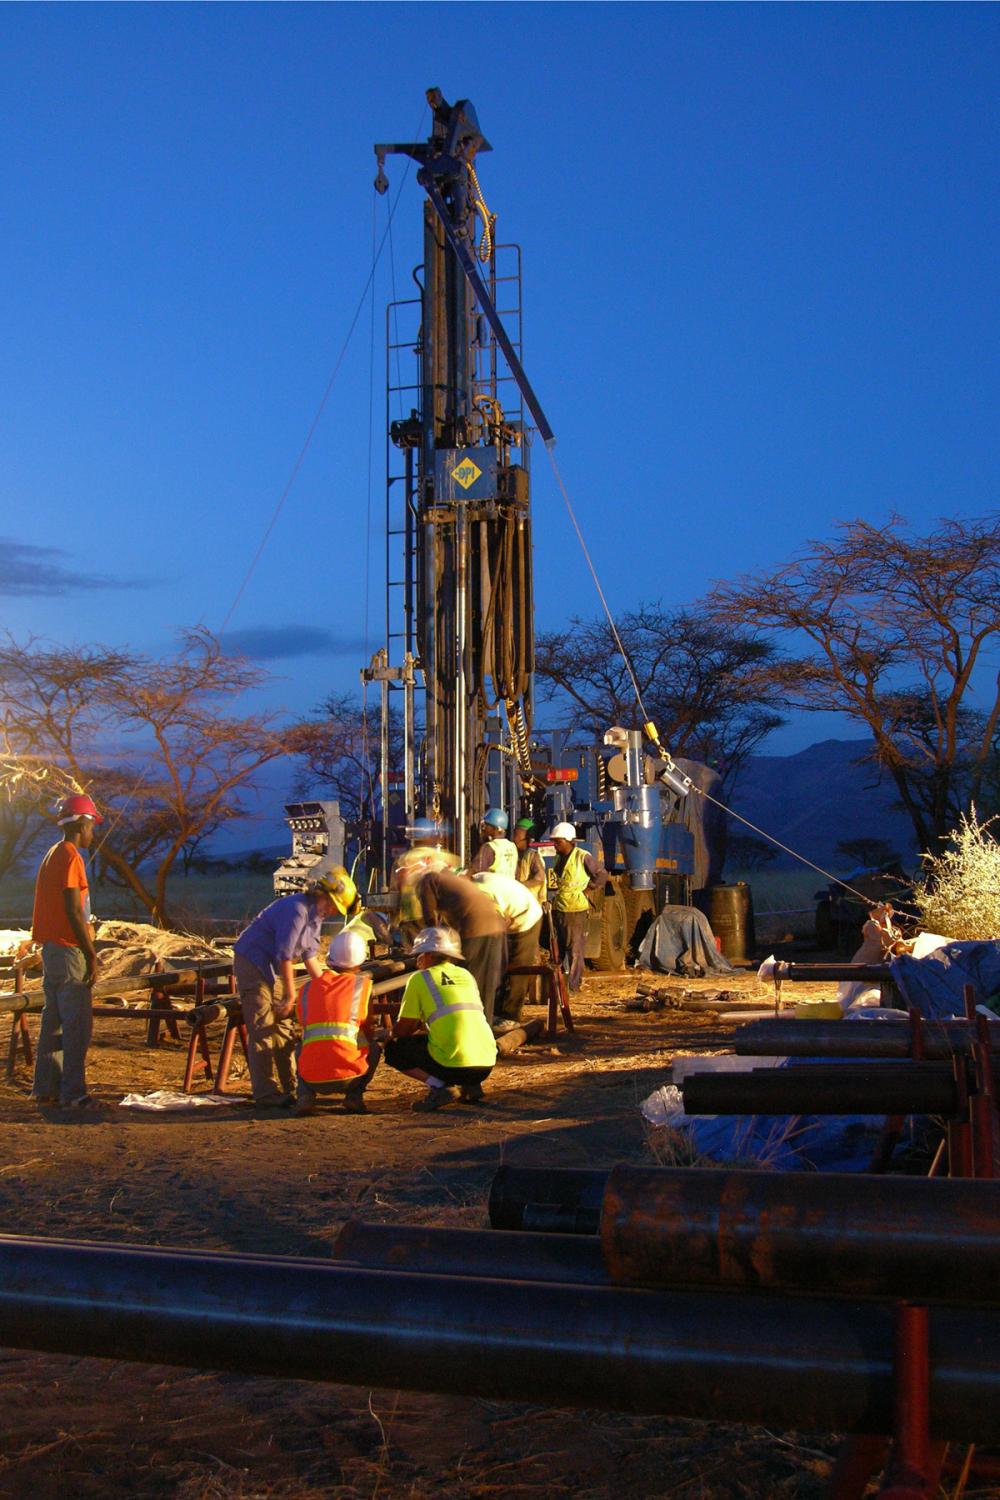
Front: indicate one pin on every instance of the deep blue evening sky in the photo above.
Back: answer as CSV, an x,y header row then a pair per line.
x,y
760,281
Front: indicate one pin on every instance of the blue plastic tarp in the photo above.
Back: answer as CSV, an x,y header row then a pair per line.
x,y
933,985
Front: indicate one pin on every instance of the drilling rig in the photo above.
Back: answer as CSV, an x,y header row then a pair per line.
x,y
455,675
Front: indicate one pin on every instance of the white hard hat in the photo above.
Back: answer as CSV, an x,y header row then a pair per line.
x,y
564,831
440,940
347,950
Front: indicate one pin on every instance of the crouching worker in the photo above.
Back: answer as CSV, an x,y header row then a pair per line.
x,y
442,1036
338,1053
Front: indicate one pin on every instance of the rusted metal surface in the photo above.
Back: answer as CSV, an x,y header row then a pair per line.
x,y
515,1256
547,1200
818,1365
852,1088
848,1235
857,1038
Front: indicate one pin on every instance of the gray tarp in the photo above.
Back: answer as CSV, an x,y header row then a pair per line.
x,y
681,934
706,821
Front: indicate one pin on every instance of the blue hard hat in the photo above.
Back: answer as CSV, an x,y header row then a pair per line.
x,y
496,818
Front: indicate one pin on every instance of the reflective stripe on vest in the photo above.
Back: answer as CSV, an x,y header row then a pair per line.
x,y
573,883
319,1031
441,1006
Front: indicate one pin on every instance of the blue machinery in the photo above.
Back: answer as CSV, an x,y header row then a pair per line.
x,y
456,671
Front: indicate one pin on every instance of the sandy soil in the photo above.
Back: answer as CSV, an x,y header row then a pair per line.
x,y
231,1180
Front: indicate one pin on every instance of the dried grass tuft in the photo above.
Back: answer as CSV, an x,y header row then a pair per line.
x,y
959,895
673,1146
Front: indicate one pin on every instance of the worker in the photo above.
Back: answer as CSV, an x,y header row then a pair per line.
x,y
496,852
339,1051
577,874
426,851
61,925
448,900
530,869
523,917
283,933
441,1036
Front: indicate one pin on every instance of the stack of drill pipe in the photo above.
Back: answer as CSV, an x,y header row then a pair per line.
x,y
852,1088
815,1362
881,1038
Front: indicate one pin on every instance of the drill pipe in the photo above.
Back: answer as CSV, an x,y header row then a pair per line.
x,y
808,973
891,1088
515,1256
547,1201
918,1238
856,1039
820,1365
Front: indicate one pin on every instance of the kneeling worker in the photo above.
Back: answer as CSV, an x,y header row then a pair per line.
x,y
338,1053
442,1036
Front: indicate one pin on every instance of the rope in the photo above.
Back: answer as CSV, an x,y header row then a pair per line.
x,y
489,220
650,728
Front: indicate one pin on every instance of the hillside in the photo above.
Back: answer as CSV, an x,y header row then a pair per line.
x,y
819,796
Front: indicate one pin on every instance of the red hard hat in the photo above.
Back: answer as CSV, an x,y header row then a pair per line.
x,y
77,806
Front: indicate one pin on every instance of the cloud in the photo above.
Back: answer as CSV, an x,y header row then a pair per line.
x,y
28,572
280,642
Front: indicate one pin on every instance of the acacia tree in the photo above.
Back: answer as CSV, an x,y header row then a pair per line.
x,y
76,710
699,680
892,630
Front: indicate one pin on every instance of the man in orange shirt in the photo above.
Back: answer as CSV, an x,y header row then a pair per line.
x,y
61,924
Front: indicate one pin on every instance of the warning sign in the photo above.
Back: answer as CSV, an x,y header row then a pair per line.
x,y
466,473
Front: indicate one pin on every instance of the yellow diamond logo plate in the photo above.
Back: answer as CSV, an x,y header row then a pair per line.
x,y
466,473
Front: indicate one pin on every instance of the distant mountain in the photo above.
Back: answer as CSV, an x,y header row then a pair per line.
x,y
819,796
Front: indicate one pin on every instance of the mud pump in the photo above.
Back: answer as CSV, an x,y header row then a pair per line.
x,y
456,672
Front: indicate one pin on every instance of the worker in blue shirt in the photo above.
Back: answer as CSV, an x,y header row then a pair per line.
x,y
283,934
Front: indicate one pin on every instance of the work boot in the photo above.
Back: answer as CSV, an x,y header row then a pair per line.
x,y
505,1024
354,1104
304,1107
471,1093
434,1099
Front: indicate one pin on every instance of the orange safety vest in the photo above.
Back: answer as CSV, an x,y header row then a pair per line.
x,y
331,1011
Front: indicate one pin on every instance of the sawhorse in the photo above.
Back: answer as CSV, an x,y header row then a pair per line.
x,y
199,1056
555,994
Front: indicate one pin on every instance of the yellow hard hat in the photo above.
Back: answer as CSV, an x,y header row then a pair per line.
x,y
340,888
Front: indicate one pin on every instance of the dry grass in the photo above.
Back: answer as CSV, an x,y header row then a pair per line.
x,y
959,895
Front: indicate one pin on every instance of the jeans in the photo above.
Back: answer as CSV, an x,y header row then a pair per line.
x,y
67,1024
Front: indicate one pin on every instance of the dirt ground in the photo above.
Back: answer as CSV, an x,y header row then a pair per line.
x,y
232,1180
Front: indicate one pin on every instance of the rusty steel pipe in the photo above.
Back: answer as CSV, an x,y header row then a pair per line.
x,y
919,1238
887,1088
819,1365
515,1256
856,1038
547,1200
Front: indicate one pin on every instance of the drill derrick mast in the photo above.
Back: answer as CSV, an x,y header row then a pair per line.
x,y
459,511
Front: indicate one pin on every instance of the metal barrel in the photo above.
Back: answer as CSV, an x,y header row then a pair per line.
x,y
855,1039
729,909
515,1256
547,1201
887,1088
818,1365
923,1239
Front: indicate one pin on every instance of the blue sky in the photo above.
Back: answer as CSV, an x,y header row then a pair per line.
x,y
760,253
